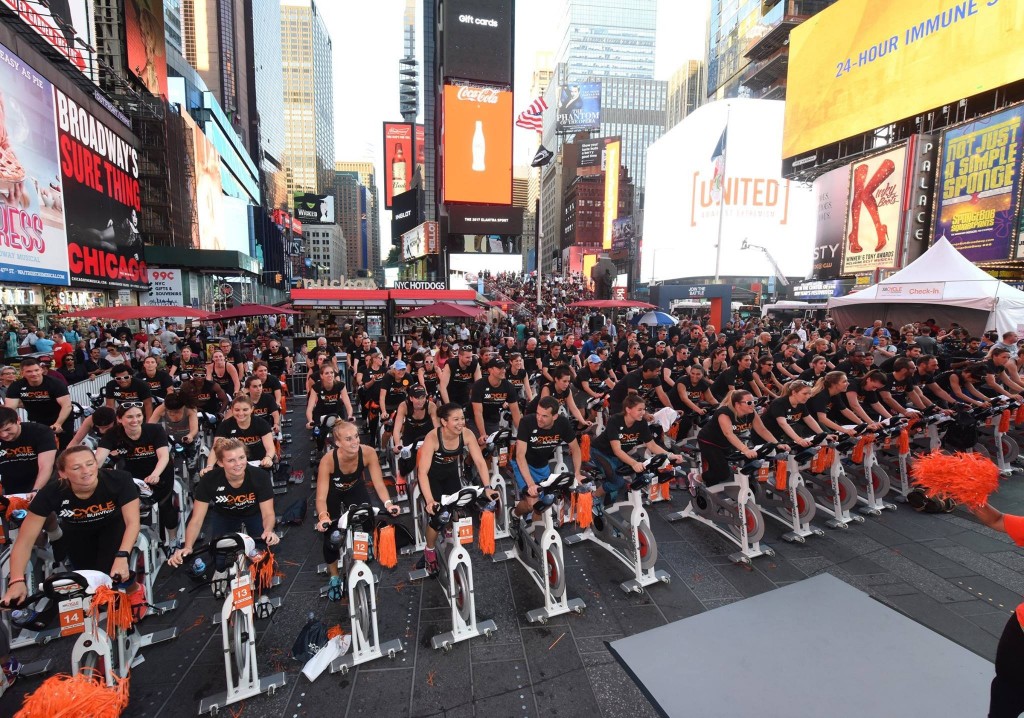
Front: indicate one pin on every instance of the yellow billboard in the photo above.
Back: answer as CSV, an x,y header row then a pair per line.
x,y
611,191
863,64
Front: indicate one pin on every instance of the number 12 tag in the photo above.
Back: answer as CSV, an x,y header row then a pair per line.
x,y
360,545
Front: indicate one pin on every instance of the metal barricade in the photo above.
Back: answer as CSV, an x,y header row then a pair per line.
x,y
297,380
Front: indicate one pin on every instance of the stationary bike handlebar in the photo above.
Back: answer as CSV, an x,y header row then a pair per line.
x,y
228,546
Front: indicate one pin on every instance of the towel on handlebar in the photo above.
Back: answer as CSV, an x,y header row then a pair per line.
x,y
666,418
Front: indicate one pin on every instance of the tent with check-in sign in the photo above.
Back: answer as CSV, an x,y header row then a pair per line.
x,y
942,285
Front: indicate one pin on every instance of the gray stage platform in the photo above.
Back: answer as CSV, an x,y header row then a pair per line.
x,y
733,660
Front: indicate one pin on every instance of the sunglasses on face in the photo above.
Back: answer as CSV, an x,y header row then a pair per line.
x,y
131,404
748,402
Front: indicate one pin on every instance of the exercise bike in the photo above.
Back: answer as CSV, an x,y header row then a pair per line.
x,y
871,480
624,529
356,529
497,451
238,631
182,484
784,497
539,550
104,651
730,507
419,516
455,569
149,553
321,427
832,489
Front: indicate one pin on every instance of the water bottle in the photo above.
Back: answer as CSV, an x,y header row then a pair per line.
x,y
335,537
199,565
405,453
255,555
23,615
19,514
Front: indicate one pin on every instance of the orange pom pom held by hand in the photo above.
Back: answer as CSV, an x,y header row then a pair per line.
x,y
967,478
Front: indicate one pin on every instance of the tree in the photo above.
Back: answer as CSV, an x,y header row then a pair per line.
x,y
394,256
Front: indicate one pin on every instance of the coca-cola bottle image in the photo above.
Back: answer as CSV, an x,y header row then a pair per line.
x,y
399,171
479,148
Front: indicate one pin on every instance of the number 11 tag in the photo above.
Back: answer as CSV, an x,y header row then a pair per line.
x,y
465,529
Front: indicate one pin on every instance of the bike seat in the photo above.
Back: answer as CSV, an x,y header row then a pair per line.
x,y
556,482
356,515
463,497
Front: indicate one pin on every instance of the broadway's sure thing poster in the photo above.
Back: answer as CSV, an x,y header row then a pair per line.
x,y
33,241
874,215
977,197
101,197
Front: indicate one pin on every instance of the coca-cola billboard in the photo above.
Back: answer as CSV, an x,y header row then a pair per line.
x,y
476,40
477,148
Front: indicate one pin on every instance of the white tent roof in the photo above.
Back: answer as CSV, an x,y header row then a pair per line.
x,y
953,282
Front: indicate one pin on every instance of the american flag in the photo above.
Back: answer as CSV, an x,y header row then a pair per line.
x,y
532,118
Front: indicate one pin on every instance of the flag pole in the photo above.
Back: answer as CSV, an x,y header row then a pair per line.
x,y
721,199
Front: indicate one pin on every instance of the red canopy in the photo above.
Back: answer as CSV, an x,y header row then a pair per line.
x,y
613,304
249,310
443,309
136,312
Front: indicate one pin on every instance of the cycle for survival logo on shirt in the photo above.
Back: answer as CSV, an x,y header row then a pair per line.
x,y
100,170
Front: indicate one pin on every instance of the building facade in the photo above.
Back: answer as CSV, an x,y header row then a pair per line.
x,y
583,211
607,38
308,79
266,88
686,89
326,248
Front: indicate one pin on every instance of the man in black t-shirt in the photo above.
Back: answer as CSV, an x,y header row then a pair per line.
x,y
738,376
458,376
646,382
45,400
124,389
900,386
27,452
278,359
539,435
233,355
489,396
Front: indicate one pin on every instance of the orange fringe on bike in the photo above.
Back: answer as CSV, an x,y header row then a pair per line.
x,y
585,447
116,605
1019,416
584,506
387,549
15,503
967,478
334,632
673,431
666,490
263,571
782,474
486,539
1004,421
77,696
904,443
858,451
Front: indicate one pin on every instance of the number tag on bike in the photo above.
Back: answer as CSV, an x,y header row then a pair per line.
x,y
241,595
360,545
887,444
988,422
465,530
503,456
72,617
763,473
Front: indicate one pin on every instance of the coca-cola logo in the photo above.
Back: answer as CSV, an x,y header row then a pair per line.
x,y
478,94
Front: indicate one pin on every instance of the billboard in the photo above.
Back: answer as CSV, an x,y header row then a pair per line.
x,y
167,290
420,241
611,191
477,40
144,36
831,193
622,234
405,213
209,194
979,183
485,220
398,159
477,166
845,61
314,208
464,270
33,237
59,24
100,172
874,215
685,198
485,244
579,107
419,175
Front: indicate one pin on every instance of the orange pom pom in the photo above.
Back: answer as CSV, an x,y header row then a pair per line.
x,y
782,475
14,503
904,442
334,632
584,509
585,447
1019,416
486,539
116,605
262,572
967,478
858,451
1004,421
77,695
387,550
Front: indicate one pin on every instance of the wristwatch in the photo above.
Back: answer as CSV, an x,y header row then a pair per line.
x,y
122,554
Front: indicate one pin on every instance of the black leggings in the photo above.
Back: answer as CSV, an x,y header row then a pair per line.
x,y
714,466
163,492
95,549
1008,686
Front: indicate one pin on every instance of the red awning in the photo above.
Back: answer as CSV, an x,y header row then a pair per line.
x,y
331,297
135,312
410,297
250,310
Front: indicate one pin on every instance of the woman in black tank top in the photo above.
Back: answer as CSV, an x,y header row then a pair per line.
x,y
440,466
220,372
341,483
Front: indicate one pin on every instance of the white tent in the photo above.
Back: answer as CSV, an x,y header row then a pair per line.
x,y
941,285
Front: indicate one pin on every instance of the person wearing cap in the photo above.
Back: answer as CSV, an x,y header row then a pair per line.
x,y
491,395
395,387
659,351
415,418
46,362
593,379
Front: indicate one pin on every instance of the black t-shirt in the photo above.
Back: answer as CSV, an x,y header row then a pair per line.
x,y
646,388
694,392
276,361
328,401
676,368
541,443
265,408
205,396
731,378
100,510
461,381
271,385
865,397
194,365
629,438
19,459
251,437
138,455
40,402
256,487
137,390
830,406
595,380
783,408
396,389
549,362
493,398
712,433
899,388
787,364
159,384
518,381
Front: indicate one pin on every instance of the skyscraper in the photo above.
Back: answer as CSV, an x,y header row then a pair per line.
x,y
686,88
607,38
358,214
408,72
266,88
308,76
748,46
